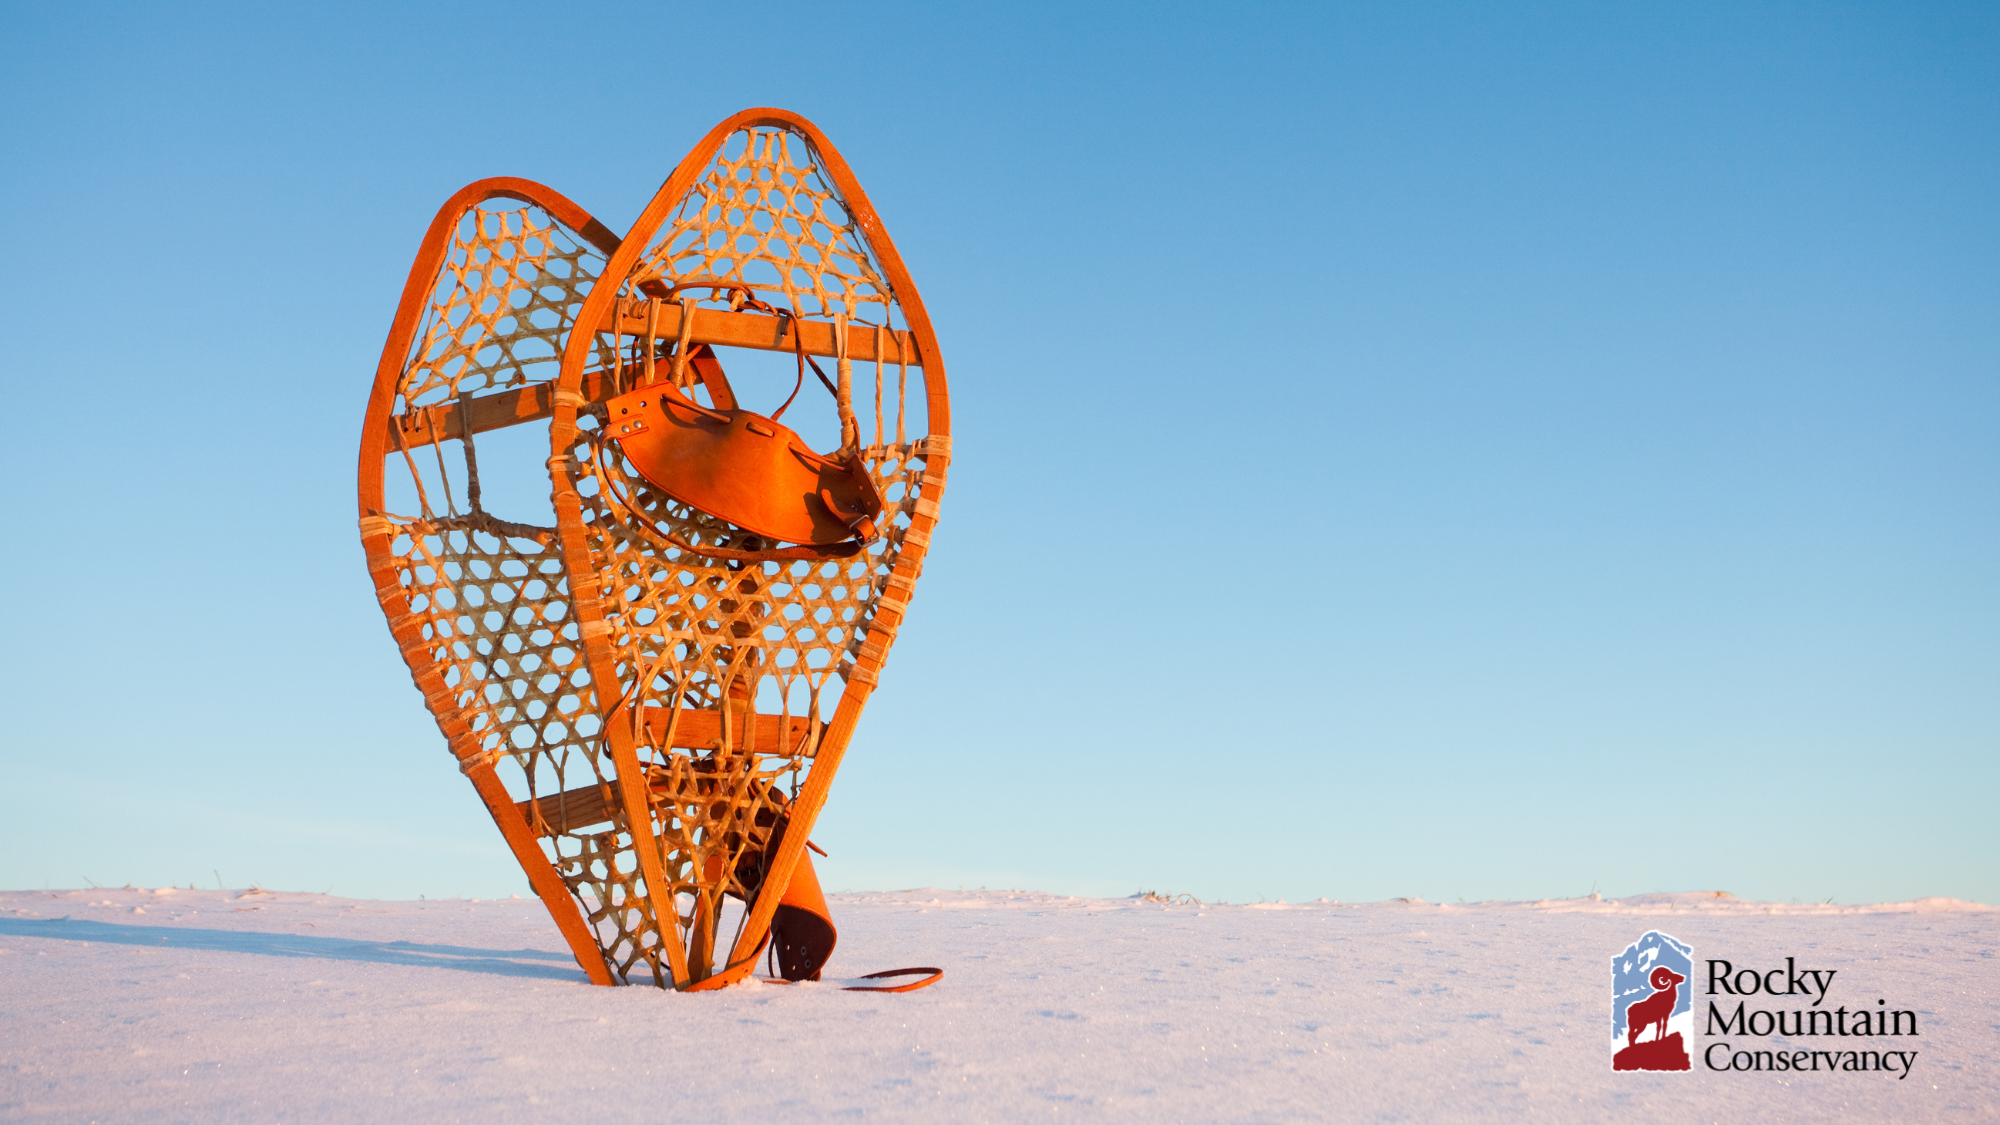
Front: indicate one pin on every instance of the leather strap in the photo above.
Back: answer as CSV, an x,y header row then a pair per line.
x,y
744,297
860,523
802,933
681,345
864,528
935,976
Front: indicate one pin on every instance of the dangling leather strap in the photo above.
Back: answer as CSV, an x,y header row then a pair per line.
x,y
802,933
843,394
652,336
746,297
617,348
681,345
935,976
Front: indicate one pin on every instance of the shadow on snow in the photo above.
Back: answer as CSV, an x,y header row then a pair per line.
x,y
499,962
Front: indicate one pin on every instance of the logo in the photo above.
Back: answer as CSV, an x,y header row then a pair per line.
x,y
1793,1040
1652,1007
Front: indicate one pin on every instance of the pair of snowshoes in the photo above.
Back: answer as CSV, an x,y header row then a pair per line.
x,y
652,685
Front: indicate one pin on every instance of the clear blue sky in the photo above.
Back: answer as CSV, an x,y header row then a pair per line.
x,y
1460,451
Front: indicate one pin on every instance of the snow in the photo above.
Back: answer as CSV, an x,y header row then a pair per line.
x,y
186,1005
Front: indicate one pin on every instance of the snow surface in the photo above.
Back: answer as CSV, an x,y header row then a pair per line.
x,y
183,1005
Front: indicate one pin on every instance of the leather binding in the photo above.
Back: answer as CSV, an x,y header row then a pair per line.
x,y
746,469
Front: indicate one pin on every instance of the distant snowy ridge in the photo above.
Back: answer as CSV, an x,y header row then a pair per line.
x,y
1679,902
926,898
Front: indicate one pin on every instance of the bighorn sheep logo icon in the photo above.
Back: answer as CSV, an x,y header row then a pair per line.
x,y
1654,1011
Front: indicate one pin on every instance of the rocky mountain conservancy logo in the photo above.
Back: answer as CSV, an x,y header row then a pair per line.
x,y
1783,1040
1652,1007
1759,1018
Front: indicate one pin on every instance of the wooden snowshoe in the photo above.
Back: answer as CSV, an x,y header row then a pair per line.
x,y
652,688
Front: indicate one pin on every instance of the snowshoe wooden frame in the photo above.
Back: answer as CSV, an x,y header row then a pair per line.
x,y
652,710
